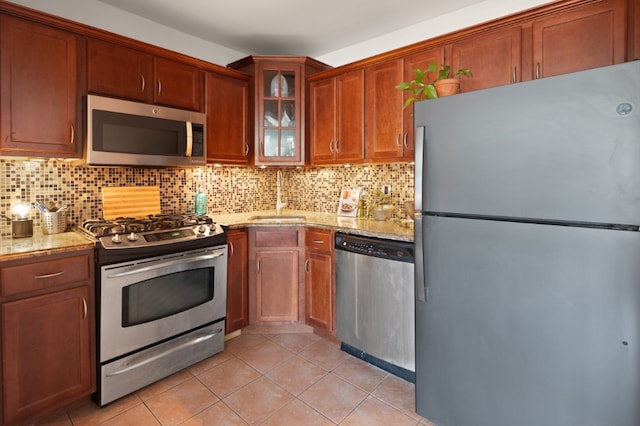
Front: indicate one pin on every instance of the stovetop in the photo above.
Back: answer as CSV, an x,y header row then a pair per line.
x,y
155,230
126,225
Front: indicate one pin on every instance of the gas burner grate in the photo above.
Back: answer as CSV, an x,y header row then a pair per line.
x,y
126,225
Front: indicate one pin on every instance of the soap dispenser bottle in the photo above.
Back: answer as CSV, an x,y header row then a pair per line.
x,y
200,204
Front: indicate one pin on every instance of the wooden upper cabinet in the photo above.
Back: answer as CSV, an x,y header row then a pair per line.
x,y
116,70
227,109
350,100
279,114
588,36
633,31
389,126
337,119
119,71
494,58
280,106
420,60
177,84
322,121
38,90
384,128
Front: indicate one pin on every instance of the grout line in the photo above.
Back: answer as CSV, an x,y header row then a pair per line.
x,y
233,356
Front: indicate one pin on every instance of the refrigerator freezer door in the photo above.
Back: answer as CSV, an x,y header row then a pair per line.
x,y
559,148
528,325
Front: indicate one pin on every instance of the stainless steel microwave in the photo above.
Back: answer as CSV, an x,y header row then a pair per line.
x,y
125,133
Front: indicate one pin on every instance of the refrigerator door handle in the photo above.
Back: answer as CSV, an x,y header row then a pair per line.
x,y
419,166
421,286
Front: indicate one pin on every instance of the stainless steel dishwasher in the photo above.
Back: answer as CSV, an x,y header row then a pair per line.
x,y
375,303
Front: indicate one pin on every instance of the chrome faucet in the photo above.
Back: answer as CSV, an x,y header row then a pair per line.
x,y
279,204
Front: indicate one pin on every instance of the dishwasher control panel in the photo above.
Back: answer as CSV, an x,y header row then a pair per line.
x,y
378,247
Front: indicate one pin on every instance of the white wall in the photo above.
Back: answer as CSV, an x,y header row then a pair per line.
x,y
100,15
103,16
463,18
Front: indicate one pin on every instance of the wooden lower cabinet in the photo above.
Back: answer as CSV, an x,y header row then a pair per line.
x,y
48,339
276,293
319,270
277,285
237,281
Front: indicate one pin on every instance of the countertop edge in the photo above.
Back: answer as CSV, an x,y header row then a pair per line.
x,y
392,230
43,245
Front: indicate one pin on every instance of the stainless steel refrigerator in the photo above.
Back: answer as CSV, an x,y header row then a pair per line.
x,y
528,253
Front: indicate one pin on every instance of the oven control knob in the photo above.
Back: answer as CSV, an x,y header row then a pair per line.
x,y
202,229
116,239
132,237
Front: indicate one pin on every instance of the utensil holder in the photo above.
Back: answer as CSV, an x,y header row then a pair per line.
x,y
54,222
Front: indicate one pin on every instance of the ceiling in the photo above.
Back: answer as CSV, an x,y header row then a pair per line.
x,y
288,27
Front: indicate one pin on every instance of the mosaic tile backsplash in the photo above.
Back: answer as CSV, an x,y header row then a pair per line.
x,y
229,189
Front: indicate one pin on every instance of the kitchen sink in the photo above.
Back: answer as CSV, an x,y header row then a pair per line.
x,y
278,218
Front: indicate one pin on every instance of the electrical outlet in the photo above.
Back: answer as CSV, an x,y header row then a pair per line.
x,y
386,189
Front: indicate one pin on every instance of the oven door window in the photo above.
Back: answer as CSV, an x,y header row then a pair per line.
x,y
166,295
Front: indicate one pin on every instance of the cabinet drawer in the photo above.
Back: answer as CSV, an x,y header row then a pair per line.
x,y
319,239
46,274
276,238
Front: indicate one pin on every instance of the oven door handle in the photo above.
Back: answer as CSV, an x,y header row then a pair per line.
x,y
148,359
132,270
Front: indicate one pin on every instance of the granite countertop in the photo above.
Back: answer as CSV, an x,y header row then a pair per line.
x,y
42,244
390,229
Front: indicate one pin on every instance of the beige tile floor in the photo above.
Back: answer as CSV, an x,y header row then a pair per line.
x,y
265,379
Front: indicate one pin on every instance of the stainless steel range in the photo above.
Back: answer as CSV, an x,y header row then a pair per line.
x,y
161,290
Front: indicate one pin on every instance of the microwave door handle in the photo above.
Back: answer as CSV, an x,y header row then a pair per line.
x,y
189,139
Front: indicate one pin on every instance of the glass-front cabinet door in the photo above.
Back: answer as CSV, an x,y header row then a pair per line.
x,y
279,106
279,129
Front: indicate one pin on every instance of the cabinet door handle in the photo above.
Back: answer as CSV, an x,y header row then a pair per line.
x,y
143,83
55,274
515,75
84,306
331,150
337,145
306,266
246,149
230,249
405,141
159,86
537,70
258,265
73,134
399,140
317,241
